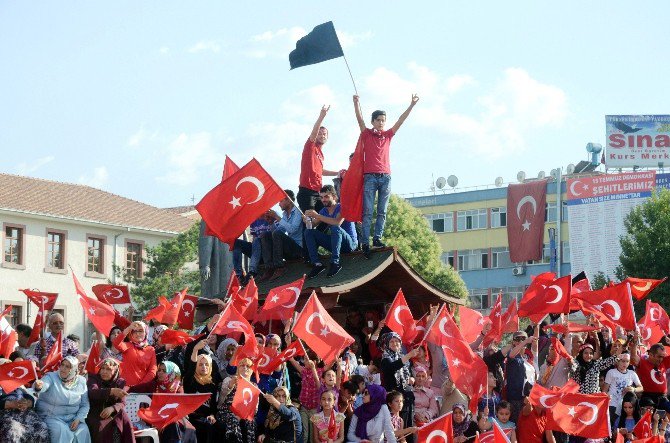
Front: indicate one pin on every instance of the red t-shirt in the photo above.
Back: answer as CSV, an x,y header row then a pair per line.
x,y
311,166
531,428
376,146
653,379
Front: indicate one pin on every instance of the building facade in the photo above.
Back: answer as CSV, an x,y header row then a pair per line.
x,y
51,229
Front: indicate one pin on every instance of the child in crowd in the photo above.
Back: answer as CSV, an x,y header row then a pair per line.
x,y
502,418
321,420
309,390
395,403
370,372
330,382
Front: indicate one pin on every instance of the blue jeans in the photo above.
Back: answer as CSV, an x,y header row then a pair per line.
x,y
337,241
372,184
250,249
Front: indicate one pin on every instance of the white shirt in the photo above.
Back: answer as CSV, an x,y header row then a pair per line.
x,y
378,427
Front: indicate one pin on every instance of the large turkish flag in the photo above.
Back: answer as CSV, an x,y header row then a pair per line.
x,y
525,220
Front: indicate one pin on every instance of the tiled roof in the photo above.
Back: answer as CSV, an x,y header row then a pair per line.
x,y
80,202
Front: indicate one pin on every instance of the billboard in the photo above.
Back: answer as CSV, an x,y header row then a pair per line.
x,y
637,140
597,207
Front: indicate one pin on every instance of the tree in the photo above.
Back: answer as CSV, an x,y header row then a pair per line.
x,y
407,230
600,281
166,269
645,248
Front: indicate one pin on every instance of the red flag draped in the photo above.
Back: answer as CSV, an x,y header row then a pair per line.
x,y
234,204
560,349
8,336
614,302
170,408
656,314
187,311
99,313
54,357
264,360
399,318
641,287
38,297
38,326
321,333
509,321
472,323
525,220
542,397
16,374
94,358
293,350
583,415
281,301
438,430
177,338
245,400
112,294
351,192
245,301
548,297
643,427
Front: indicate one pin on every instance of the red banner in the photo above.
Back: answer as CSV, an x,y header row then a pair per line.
x,y
525,220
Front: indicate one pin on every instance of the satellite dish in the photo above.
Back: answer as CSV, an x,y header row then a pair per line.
x,y
570,169
452,181
440,182
541,174
498,182
521,176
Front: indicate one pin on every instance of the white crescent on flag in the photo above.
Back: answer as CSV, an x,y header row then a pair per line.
x,y
310,319
166,407
297,294
257,183
523,201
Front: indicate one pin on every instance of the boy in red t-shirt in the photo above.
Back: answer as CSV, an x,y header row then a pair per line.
x,y
377,170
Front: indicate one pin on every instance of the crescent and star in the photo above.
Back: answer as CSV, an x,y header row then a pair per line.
x,y
308,324
523,201
235,202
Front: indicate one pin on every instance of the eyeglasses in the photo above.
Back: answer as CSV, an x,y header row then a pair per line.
x,y
519,338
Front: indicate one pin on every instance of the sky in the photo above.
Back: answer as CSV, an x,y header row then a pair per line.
x,y
145,99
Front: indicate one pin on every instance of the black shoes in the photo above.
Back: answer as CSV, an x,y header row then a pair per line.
x,y
366,251
334,269
316,270
377,243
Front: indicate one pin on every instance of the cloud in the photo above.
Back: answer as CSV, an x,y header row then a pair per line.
x,y
349,39
187,157
29,168
97,179
282,41
205,45
141,136
164,50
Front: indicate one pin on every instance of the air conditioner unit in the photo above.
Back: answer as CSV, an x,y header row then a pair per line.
x,y
518,270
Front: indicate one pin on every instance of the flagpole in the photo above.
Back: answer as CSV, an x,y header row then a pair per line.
x,y
350,75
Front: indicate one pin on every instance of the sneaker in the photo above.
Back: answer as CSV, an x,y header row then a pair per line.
x,y
334,269
316,270
377,243
366,251
278,273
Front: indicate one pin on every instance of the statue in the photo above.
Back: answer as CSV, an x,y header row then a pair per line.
x,y
215,260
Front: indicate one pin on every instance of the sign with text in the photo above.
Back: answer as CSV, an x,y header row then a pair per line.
x,y
597,207
637,140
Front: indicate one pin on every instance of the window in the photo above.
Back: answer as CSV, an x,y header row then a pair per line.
x,y
134,259
500,258
95,256
498,217
441,222
550,212
472,219
509,293
471,259
565,252
564,212
14,245
546,256
479,298
15,316
55,258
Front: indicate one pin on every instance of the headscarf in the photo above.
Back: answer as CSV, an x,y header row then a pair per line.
x,y
145,342
207,378
171,384
401,375
223,362
114,364
270,337
71,379
460,428
368,411
584,366
274,419
158,331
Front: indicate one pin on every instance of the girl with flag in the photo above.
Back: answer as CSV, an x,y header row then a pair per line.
x,y
327,425
235,429
283,423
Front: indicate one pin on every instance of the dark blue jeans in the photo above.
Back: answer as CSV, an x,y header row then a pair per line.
x,y
336,241
380,185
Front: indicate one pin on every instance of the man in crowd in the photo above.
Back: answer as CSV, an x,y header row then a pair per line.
x,y
56,325
651,369
341,235
285,241
23,332
252,249
377,170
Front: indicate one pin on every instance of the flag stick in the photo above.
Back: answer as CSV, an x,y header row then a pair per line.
x,y
350,75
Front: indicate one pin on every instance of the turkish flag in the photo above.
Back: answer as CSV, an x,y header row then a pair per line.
x,y
172,310
399,318
493,436
420,325
177,338
472,323
233,284
542,397
38,297
321,333
229,168
170,408
234,204
295,349
332,426
54,356
94,358
656,314
248,350
652,439
553,299
641,287
264,359
245,301
280,302
650,332
441,430
642,429
187,311
571,327
351,192
232,321
560,349
525,220
245,400
99,313
38,326
495,317
112,294
583,415
590,309
580,283
614,302
16,374
157,312
509,321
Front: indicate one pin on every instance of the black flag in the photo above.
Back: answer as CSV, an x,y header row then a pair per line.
x,y
318,46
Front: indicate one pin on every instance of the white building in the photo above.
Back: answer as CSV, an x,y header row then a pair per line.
x,y
49,227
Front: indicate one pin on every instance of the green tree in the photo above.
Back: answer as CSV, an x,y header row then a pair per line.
x,y
407,230
645,248
600,280
166,271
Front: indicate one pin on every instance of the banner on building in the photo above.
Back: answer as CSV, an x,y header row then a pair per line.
x,y
597,207
637,140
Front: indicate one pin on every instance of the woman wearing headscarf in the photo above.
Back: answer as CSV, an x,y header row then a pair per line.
x,y
18,420
139,359
585,368
159,348
396,374
372,420
63,403
107,419
464,427
198,379
283,423
107,349
233,428
224,353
